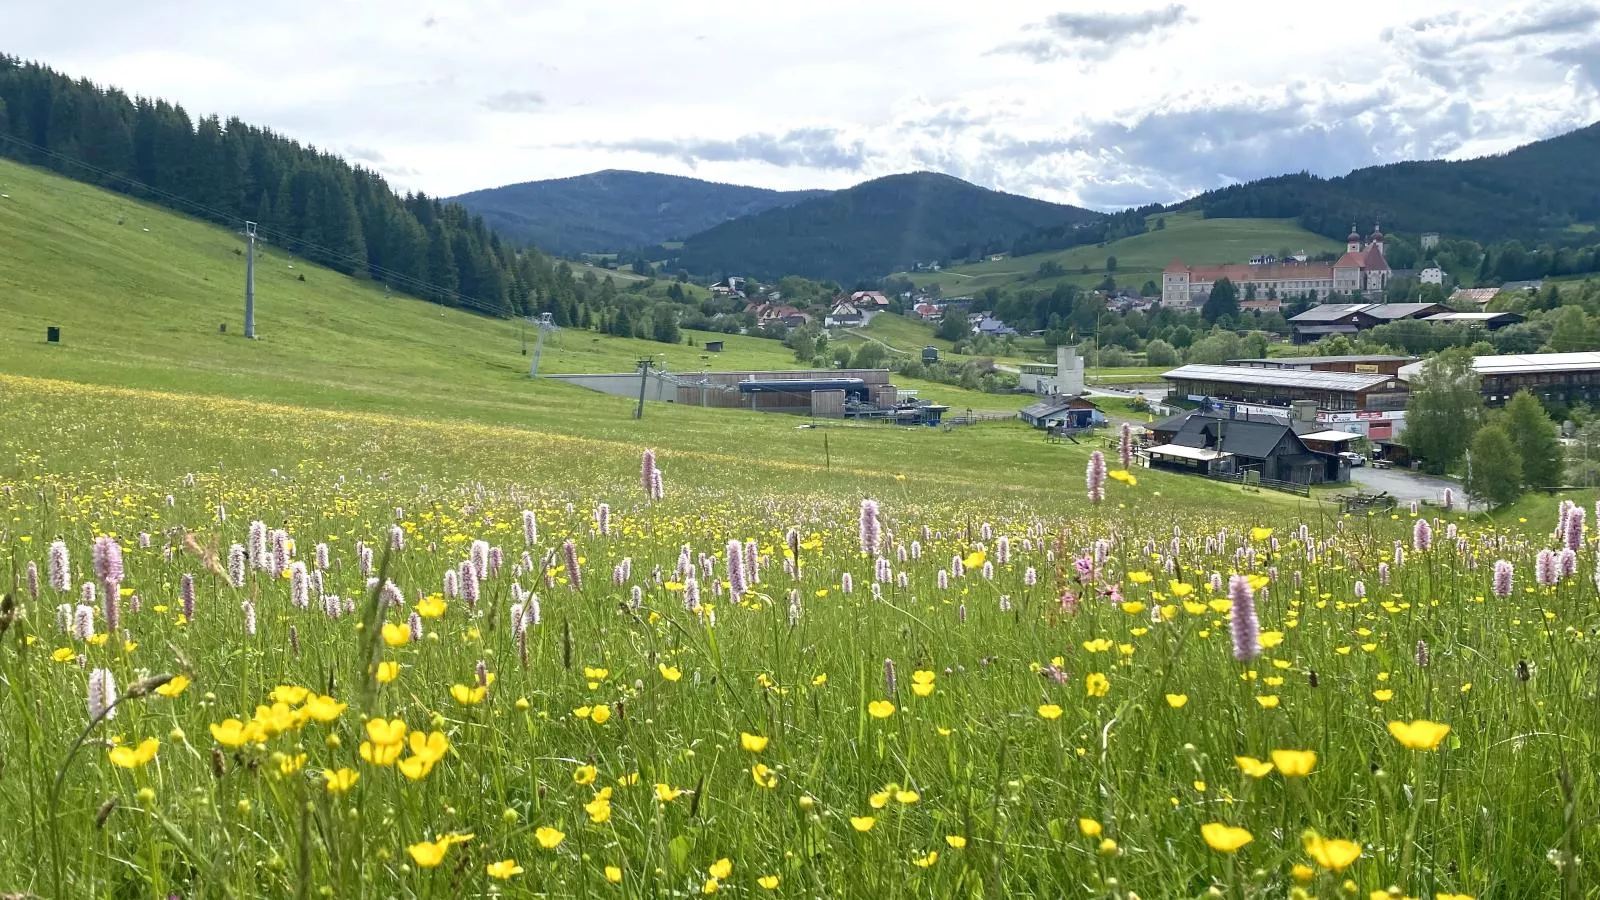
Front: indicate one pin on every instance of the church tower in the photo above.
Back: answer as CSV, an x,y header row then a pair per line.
x,y
1353,242
1377,239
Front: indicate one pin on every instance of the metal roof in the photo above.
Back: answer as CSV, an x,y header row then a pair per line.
x,y
1182,452
1392,311
1287,378
1537,362
1329,436
1343,328
1285,361
1331,312
1471,317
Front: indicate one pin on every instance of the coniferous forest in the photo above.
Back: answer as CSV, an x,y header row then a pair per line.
x,y
305,200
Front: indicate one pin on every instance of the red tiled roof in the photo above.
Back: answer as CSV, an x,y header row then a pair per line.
x,y
1241,273
1176,267
1351,261
1375,258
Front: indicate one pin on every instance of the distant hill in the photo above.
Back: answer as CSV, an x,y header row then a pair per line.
x,y
1531,193
617,210
872,229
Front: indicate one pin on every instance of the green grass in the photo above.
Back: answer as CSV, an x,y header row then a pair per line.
x,y
1072,735
1187,236
1000,754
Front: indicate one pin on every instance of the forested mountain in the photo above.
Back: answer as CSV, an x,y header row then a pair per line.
x,y
1531,193
310,202
874,228
617,210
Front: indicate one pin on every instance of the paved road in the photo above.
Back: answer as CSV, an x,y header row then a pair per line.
x,y
1404,486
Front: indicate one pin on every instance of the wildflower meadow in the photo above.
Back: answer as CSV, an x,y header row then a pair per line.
x,y
254,652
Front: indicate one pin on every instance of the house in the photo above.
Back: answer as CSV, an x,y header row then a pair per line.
x,y
1264,305
732,286
1394,312
1065,378
993,327
928,312
844,315
869,300
1488,321
1479,296
1431,274
768,314
1216,444
1063,412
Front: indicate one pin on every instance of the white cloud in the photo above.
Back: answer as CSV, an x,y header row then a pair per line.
x,y
1114,104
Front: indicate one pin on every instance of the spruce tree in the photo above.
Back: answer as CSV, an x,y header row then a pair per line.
x,y
1496,476
1533,434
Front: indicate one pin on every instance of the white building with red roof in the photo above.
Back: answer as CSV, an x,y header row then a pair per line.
x,y
1362,269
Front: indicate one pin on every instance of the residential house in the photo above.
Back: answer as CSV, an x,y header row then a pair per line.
x,y
1431,274
993,327
1479,296
873,300
844,315
928,312
775,314
732,286
1216,444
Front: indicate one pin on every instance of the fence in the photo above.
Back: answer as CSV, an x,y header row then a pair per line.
x,y
1287,487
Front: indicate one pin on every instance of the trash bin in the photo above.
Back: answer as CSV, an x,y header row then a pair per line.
x,y
53,334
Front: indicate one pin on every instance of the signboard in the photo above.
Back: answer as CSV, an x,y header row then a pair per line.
x,y
1366,368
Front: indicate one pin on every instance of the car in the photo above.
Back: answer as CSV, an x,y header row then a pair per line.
x,y
1355,460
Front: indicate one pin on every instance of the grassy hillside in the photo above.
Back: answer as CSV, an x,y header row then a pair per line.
x,y
1187,236
140,304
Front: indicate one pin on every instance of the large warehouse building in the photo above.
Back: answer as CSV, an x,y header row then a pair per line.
x,y
1372,404
1557,377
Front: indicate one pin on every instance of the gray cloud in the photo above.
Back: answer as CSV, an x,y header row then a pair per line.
x,y
820,148
1113,26
1092,35
1586,59
515,102
1457,51
364,154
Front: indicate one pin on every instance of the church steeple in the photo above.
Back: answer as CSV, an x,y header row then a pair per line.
x,y
1377,238
1353,242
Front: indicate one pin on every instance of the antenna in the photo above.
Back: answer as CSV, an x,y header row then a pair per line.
x,y
546,324
250,281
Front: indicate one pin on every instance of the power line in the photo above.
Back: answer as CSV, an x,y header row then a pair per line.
x,y
420,287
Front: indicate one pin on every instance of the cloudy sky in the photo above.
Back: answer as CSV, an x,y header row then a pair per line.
x,y
1082,101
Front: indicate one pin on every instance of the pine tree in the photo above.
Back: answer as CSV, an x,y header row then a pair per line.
x,y
1533,433
1222,303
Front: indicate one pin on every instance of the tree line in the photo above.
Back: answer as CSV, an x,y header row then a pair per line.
x,y
309,201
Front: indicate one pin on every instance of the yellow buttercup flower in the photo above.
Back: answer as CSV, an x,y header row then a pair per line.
x,y
768,882
504,869
1096,684
1330,853
1294,763
171,689
386,672
721,869
880,709
1090,828
923,862
669,673
584,775
1049,711
1176,701
863,823
956,841
468,696
549,838
613,874
1419,735
666,793
397,634
432,607
922,683
752,743
763,776
1253,767
134,757
1225,838
340,781
324,709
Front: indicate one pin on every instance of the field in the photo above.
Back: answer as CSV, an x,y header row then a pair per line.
x,y
358,610
1187,236
976,690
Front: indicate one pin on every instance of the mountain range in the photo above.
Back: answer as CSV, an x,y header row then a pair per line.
x,y
617,210
1546,191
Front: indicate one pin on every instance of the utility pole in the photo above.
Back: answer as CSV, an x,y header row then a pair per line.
x,y
644,380
250,280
